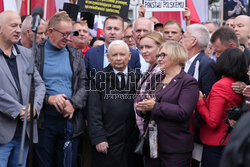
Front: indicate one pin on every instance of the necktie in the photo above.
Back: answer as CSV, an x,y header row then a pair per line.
x,y
122,81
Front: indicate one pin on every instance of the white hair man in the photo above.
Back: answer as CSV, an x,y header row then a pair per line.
x,y
199,65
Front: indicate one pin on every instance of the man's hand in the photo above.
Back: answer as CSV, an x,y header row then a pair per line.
x,y
238,87
102,147
22,113
68,109
58,101
141,10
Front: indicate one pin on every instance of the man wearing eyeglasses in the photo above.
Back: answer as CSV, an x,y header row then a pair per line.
x,y
27,34
63,71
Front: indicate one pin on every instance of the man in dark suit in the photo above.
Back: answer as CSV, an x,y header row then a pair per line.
x,y
225,38
96,59
111,118
199,65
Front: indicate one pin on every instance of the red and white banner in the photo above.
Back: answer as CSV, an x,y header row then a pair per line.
x,y
25,7
199,13
99,24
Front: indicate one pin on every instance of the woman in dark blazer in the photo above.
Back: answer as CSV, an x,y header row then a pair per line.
x,y
172,108
231,66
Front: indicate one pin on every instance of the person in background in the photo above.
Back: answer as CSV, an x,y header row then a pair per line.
x,y
230,22
14,89
96,59
126,23
158,27
82,40
27,34
154,20
172,31
175,100
97,41
242,28
141,26
111,118
149,45
128,37
231,67
222,39
211,27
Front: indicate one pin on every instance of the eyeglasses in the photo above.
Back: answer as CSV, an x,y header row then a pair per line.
x,y
65,35
161,55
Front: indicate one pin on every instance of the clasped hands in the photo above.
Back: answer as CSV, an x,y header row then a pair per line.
x,y
146,105
62,105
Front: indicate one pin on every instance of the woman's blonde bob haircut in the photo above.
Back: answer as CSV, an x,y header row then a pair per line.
x,y
176,51
155,36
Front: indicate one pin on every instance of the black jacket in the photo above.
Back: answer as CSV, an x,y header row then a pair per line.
x,y
111,118
79,85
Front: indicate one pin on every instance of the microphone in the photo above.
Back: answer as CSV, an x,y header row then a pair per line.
x,y
37,14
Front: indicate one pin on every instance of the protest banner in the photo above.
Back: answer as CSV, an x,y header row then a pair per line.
x,y
165,5
105,7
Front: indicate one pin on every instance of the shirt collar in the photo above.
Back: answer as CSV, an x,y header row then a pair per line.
x,y
193,58
125,71
105,49
15,51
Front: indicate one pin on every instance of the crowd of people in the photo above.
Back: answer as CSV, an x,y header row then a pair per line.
x,y
145,81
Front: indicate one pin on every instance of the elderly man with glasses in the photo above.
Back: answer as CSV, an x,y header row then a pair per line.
x,y
63,71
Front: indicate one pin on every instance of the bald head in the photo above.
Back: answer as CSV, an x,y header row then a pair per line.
x,y
242,28
142,25
6,15
10,27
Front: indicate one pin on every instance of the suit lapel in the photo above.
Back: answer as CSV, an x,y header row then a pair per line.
x,y
6,69
100,57
21,72
172,83
192,67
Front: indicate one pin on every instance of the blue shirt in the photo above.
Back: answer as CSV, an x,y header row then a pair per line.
x,y
57,73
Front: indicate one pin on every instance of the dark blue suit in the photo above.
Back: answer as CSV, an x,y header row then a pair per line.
x,y
94,59
206,77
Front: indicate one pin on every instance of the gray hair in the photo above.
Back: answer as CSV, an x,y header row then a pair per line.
x,y
118,42
143,19
201,33
26,24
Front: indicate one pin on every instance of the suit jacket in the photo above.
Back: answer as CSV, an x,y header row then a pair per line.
x,y
172,111
206,77
95,56
10,106
247,55
111,118
212,111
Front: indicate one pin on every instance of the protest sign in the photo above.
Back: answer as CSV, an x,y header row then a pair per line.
x,y
164,5
105,7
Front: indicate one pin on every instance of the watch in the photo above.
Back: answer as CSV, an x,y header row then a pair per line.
x,y
46,99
